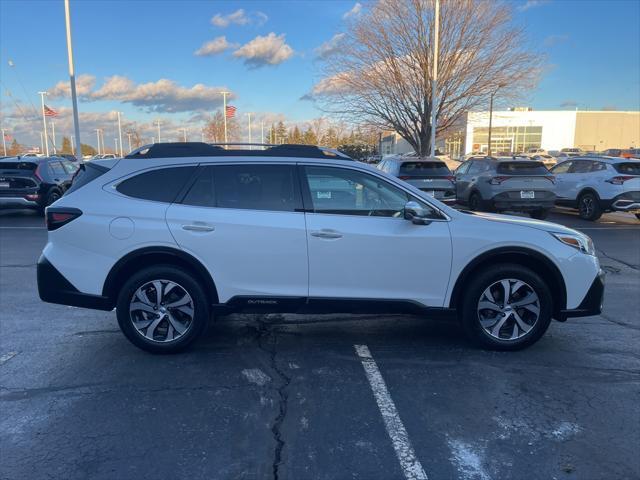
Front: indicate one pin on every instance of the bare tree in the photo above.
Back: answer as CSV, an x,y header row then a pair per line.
x,y
214,130
382,73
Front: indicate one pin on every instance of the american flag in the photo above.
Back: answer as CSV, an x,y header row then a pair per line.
x,y
8,137
231,111
50,112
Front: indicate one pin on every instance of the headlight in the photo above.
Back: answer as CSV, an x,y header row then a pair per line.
x,y
579,242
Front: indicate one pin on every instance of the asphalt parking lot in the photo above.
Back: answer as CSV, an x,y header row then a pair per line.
x,y
299,397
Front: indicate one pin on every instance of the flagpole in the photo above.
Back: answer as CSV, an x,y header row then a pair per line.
x,y
4,143
250,146
434,84
72,77
224,113
158,123
262,132
41,142
44,123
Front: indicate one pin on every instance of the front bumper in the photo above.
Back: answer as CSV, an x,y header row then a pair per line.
x,y
53,287
592,302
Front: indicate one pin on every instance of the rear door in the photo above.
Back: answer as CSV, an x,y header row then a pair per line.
x,y
361,247
561,173
246,224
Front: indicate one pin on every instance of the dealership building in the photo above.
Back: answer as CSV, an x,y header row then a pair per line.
x,y
519,129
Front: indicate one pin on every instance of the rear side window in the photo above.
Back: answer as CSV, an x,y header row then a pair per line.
x,y
424,169
631,168
247,187
70,167
160,185
87,172
57,169
522,168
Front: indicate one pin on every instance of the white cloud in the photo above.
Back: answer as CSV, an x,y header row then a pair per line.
x,y
532,4
84,84
239,17
354,12
330,47
267,50
160,96
328,86
213,47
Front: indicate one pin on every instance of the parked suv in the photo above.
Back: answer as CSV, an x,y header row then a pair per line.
x,y
176,233
429,174
595,185
34,182
505,183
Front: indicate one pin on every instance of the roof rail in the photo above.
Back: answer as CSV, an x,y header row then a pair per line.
x,y
201,149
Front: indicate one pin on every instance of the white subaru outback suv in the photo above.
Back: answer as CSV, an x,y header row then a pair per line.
x,y
174,234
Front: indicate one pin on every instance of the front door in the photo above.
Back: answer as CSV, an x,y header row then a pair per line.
x,y
361,247
245,224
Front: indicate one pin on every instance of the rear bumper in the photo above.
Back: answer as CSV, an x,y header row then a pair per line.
x,y
17,202
523,205
53,287
627,202
592,302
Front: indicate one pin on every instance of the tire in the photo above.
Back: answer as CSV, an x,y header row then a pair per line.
x,y
475,202
540,214
172,329
589,207
52,196
472,315
638,216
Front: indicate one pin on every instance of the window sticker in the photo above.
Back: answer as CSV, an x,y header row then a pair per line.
x,y
323,195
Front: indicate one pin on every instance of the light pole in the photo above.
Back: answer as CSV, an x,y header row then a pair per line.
x,y
129,138
72,76
434,83
491,117
262,132
224,113
158,124
115,141
184,134
120,135
73,149
250,146
4,143
53,136
98,137
202,135
44,123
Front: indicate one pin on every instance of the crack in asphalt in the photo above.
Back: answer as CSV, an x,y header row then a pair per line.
x,y
264,333
630,265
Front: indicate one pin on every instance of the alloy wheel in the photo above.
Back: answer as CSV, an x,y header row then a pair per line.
x,y
586,206
508,309
161,311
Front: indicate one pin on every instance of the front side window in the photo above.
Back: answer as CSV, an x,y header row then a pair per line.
x,y
462,169
476,167
580,166
349,192
161,185
57,169
247,187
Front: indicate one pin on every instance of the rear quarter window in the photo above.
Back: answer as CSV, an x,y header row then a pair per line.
x,y
86,173
160,185
522,168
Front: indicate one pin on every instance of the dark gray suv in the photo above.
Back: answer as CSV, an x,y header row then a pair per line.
x,y
505,183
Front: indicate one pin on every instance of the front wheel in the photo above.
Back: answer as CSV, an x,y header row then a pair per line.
x,y
475,202
162,309
589,207
506,307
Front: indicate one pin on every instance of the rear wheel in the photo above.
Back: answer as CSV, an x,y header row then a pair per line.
x,y
162,309
475,202
539,214
589,207
506,307
52,196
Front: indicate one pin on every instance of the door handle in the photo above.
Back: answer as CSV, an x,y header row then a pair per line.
x,y
326,234
198,228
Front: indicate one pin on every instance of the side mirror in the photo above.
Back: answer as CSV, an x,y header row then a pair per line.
x,y
416,213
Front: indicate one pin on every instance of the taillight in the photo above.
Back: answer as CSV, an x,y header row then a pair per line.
x,y
551,178
37,173
451,178
620,179
57,217
498,180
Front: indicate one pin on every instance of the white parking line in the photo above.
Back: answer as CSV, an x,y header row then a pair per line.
x,y
411,467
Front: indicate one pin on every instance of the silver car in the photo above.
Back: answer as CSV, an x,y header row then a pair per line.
x,y
595,185
505,183
429,174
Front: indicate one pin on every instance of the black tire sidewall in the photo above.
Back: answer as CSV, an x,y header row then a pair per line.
x,y
474,289
183,278
540,214
475,202
597,212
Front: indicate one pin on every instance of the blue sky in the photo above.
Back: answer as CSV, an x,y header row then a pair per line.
x,y
592,49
